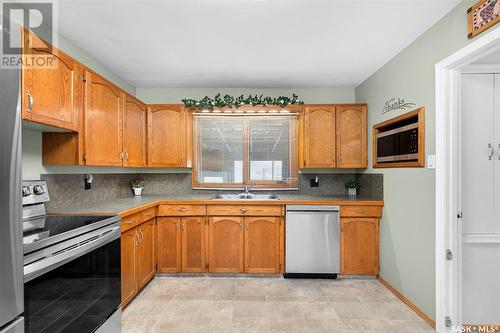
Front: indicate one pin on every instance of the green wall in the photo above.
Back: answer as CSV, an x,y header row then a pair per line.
x,y
308,95
407,228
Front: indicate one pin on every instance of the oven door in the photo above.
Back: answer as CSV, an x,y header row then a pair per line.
x,y
77,296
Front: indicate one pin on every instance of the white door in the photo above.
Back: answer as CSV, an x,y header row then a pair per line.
x,y
479,252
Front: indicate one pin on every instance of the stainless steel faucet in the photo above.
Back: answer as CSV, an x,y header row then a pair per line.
x,y
246,189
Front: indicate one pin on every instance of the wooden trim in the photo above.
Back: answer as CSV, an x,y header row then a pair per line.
x,y
420,112
410,304
291,183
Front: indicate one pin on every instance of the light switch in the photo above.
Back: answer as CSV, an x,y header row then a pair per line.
x,y
431,161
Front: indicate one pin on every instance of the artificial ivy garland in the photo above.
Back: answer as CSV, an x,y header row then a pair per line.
x,y
207,103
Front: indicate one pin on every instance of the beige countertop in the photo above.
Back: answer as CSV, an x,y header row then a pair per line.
x,y
127,205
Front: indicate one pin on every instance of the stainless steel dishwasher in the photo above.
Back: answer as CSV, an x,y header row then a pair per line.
x,y
312,241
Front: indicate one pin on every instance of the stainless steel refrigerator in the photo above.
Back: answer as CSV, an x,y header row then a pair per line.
x,y
11,247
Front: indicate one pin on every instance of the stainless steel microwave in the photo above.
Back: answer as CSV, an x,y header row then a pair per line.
x,y
398,144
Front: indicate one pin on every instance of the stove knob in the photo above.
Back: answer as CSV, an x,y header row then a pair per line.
x,y
38,189
26,191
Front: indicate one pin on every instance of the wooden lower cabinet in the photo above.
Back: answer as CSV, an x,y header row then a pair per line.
x,y
146,267
225,244
169,244
137,258
129,241
359,246
193,244
262,246
181,244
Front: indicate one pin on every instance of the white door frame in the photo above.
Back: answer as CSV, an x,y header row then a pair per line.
x,y
447,157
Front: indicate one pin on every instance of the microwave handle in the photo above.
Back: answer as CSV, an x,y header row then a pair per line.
x,y
38,268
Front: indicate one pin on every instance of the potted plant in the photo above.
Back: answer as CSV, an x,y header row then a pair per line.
x,y
137,186
352,187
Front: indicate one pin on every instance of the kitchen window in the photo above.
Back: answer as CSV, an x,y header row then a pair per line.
x,y
233,150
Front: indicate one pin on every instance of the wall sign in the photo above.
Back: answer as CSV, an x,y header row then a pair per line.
x,y
482,16
397,104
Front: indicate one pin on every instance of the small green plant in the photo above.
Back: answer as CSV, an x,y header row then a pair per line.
x,y
137,183
353,184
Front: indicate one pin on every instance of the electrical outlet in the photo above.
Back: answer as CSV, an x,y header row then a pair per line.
x,y
315,182
87,182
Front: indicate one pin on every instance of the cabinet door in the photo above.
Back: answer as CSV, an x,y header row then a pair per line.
x,y
262,244
225,238
134,133
351,137
50,94
146,253
102,122
166,136
359,246
169,244
129,242
319,137
193,244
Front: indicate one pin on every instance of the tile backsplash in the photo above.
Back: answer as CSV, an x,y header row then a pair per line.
x,y
68,189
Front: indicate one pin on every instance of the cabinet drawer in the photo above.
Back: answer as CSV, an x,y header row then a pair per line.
x,y
239,210
361,211
182,210
130,221
148,214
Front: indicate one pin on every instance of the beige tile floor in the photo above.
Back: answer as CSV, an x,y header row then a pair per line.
x,y
233,304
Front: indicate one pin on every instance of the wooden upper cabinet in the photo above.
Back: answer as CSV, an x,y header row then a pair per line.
x,y
262,244
51,95
134,133
225,244
167,138
193,244
146,267
359,246
351,136
102,122
319,137
129,241
169,244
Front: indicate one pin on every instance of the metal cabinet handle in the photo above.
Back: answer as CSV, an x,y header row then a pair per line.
x,y
243,210
30,101
130,221
361,211
120,156
183,210
142,235
126,156
183,226
136,237
492,151
178,226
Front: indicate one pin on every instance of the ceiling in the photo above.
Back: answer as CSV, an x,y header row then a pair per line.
x,y
246,43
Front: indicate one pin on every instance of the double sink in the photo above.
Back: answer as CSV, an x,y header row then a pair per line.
x,y
245,196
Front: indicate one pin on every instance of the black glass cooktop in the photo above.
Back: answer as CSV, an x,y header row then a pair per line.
x,y
35,230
